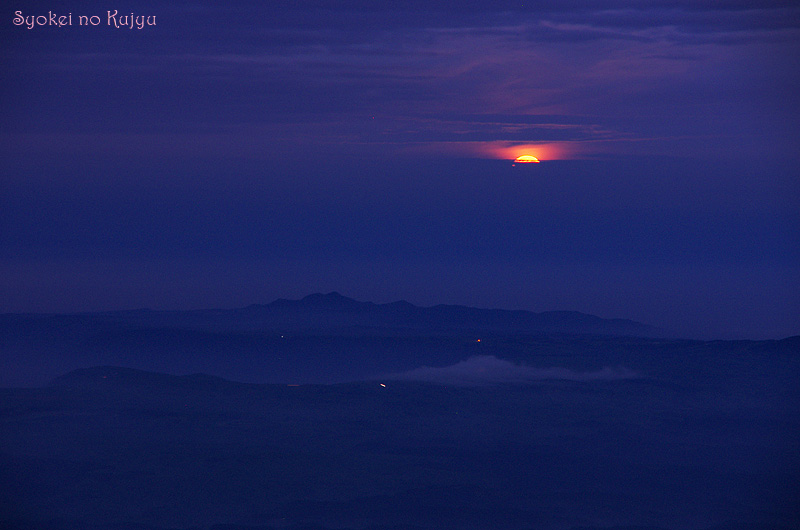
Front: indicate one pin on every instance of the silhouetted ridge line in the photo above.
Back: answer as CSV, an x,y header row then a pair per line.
x,y
118,375
336,312
335,301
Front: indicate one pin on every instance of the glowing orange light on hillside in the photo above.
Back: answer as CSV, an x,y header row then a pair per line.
x,y
526,159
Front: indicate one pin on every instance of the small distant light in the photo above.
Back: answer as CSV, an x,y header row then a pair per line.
x,y
384,386
478,340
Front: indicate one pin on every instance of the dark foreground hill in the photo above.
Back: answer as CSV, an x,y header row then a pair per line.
x,y
440,419
704,440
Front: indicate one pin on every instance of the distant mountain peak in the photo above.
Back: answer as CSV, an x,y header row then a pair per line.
x,y
331,296
343,311
401,304
332,300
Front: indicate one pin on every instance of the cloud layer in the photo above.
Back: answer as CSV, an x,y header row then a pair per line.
x,y
488,369
604,78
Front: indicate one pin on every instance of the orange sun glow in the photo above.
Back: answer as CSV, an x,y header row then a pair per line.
x,y
526,159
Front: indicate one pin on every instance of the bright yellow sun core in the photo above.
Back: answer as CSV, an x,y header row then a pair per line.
x,y
526,159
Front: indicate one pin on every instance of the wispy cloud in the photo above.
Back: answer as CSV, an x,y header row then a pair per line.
x,y
488,369
607,73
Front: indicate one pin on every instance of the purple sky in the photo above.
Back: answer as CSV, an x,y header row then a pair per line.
x,y
239,152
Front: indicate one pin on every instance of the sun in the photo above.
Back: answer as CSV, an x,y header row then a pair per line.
x,y
526,159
